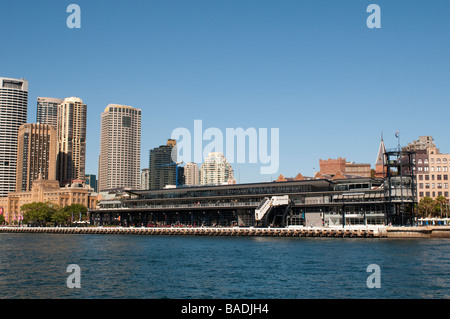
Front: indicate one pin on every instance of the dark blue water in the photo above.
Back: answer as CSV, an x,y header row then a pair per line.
x,y
125,266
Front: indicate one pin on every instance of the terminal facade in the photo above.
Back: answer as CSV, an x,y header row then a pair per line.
x,y
315,202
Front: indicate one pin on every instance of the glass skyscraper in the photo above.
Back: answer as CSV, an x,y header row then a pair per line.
x,y
47,110
163,170
13,113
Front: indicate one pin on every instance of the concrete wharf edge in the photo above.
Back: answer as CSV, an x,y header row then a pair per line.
x,y
347,232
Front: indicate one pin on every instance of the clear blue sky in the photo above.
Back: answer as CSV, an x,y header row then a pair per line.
x,y
313,69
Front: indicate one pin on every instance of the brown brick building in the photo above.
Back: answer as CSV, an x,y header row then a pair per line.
x,y
341,166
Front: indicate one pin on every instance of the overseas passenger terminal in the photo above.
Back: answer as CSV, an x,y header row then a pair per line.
x,y
315,203
321,202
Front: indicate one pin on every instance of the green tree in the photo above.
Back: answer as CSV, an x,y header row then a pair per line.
x,y
441,206
61,217
74,211
2,219
38,213
427,206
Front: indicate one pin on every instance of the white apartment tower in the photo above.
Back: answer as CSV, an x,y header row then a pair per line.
x,y
13,113
120,148
216,170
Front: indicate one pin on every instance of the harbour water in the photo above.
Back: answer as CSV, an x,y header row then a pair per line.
x,y
194,267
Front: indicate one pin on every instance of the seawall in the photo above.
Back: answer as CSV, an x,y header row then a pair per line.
x,y
418,232
349,232
209,231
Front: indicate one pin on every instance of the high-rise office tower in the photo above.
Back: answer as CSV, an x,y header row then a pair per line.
x,y
71,140
120,148
47,110
36,154
191,174
91,180
216,170
163,170
13,113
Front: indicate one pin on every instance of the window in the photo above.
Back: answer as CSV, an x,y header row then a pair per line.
x,y
421,194
420,168
420,185
445,177
126,121
425,161
438,169
425,169
432,161
432,186
427,177
427,185
444,161
419,161
420,177
439,177
438,161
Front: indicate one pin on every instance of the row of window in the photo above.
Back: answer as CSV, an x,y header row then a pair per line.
x,y
432,169
433,194
432,161
433,177
433,185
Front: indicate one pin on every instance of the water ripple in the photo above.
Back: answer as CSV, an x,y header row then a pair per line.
x,y
115,266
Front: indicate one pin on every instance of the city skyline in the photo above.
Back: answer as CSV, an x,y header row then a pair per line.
x,y
315,71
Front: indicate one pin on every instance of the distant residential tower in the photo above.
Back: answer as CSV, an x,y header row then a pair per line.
x,y
71,140
216,170
191,174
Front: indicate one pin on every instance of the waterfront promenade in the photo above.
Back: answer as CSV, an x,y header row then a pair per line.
x,y
348,231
